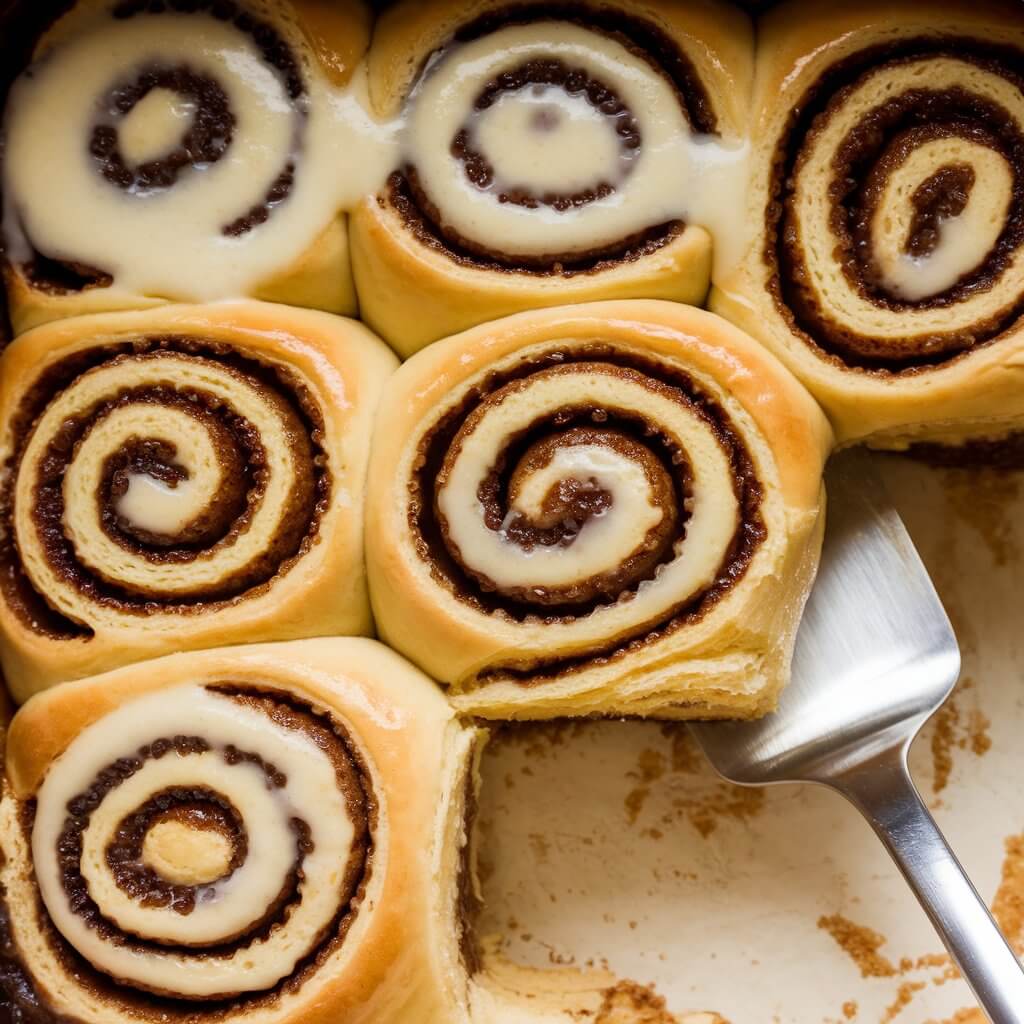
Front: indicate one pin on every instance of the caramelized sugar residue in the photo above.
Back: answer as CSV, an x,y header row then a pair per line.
x,y
953,729
861,944
630,1003
985,500
698,797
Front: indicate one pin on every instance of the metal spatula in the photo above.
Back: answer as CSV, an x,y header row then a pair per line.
x,y
876,656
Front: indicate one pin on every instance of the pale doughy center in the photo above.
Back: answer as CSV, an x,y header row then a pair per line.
x,y
184,855
547,140
964,240
158,507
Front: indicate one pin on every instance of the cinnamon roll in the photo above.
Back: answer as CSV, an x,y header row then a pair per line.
x,y
887,187
192,150
239,835
181,478
610,508
552,153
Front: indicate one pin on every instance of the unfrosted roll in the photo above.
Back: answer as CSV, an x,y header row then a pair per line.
x,y
612,508
887,191
551,153
186,155
239,835
181,478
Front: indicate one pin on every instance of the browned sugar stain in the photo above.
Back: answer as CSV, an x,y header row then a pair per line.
x,y
984,499
540,846
537,740
974,1016
861,944
954,729
631,1003
697,797
650,767
904,997
1008,905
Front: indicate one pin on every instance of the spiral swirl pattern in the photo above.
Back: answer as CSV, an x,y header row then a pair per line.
x,y
603,494
175,131
897,241
203,842
537,142
160,476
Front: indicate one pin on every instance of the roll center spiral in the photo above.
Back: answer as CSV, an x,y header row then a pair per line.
x,y
153,128
163,476
203,866
906,160
584,484
545,133
195,846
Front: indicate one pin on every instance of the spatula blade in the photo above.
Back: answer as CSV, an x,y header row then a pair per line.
x,y
875,656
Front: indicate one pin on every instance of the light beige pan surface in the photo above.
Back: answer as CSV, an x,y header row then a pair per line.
x,y
615,842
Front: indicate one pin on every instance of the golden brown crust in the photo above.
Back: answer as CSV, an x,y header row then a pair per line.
x,y
974,394
321,278
455,641
412,294
388,969
343,366
338,33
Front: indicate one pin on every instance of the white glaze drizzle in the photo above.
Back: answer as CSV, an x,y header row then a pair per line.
x,y
675,174
227,906
605,540
170,243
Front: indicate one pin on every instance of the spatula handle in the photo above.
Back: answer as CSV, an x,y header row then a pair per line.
x,y
883,791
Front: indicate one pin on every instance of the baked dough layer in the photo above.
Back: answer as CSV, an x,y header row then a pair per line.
x,y
611,508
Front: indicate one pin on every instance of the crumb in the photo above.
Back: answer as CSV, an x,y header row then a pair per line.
x,y
1008,905
904,997
945,722
861,944
650,767
952,730
630,1003
540,846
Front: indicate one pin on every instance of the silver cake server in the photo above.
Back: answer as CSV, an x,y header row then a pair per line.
x,y
875,657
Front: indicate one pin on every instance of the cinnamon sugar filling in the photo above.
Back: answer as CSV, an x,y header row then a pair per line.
x,y
569,504
862,165
240,451
643,39
421,218
203,808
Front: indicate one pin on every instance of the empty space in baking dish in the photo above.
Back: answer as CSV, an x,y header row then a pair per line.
x,y
611,843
